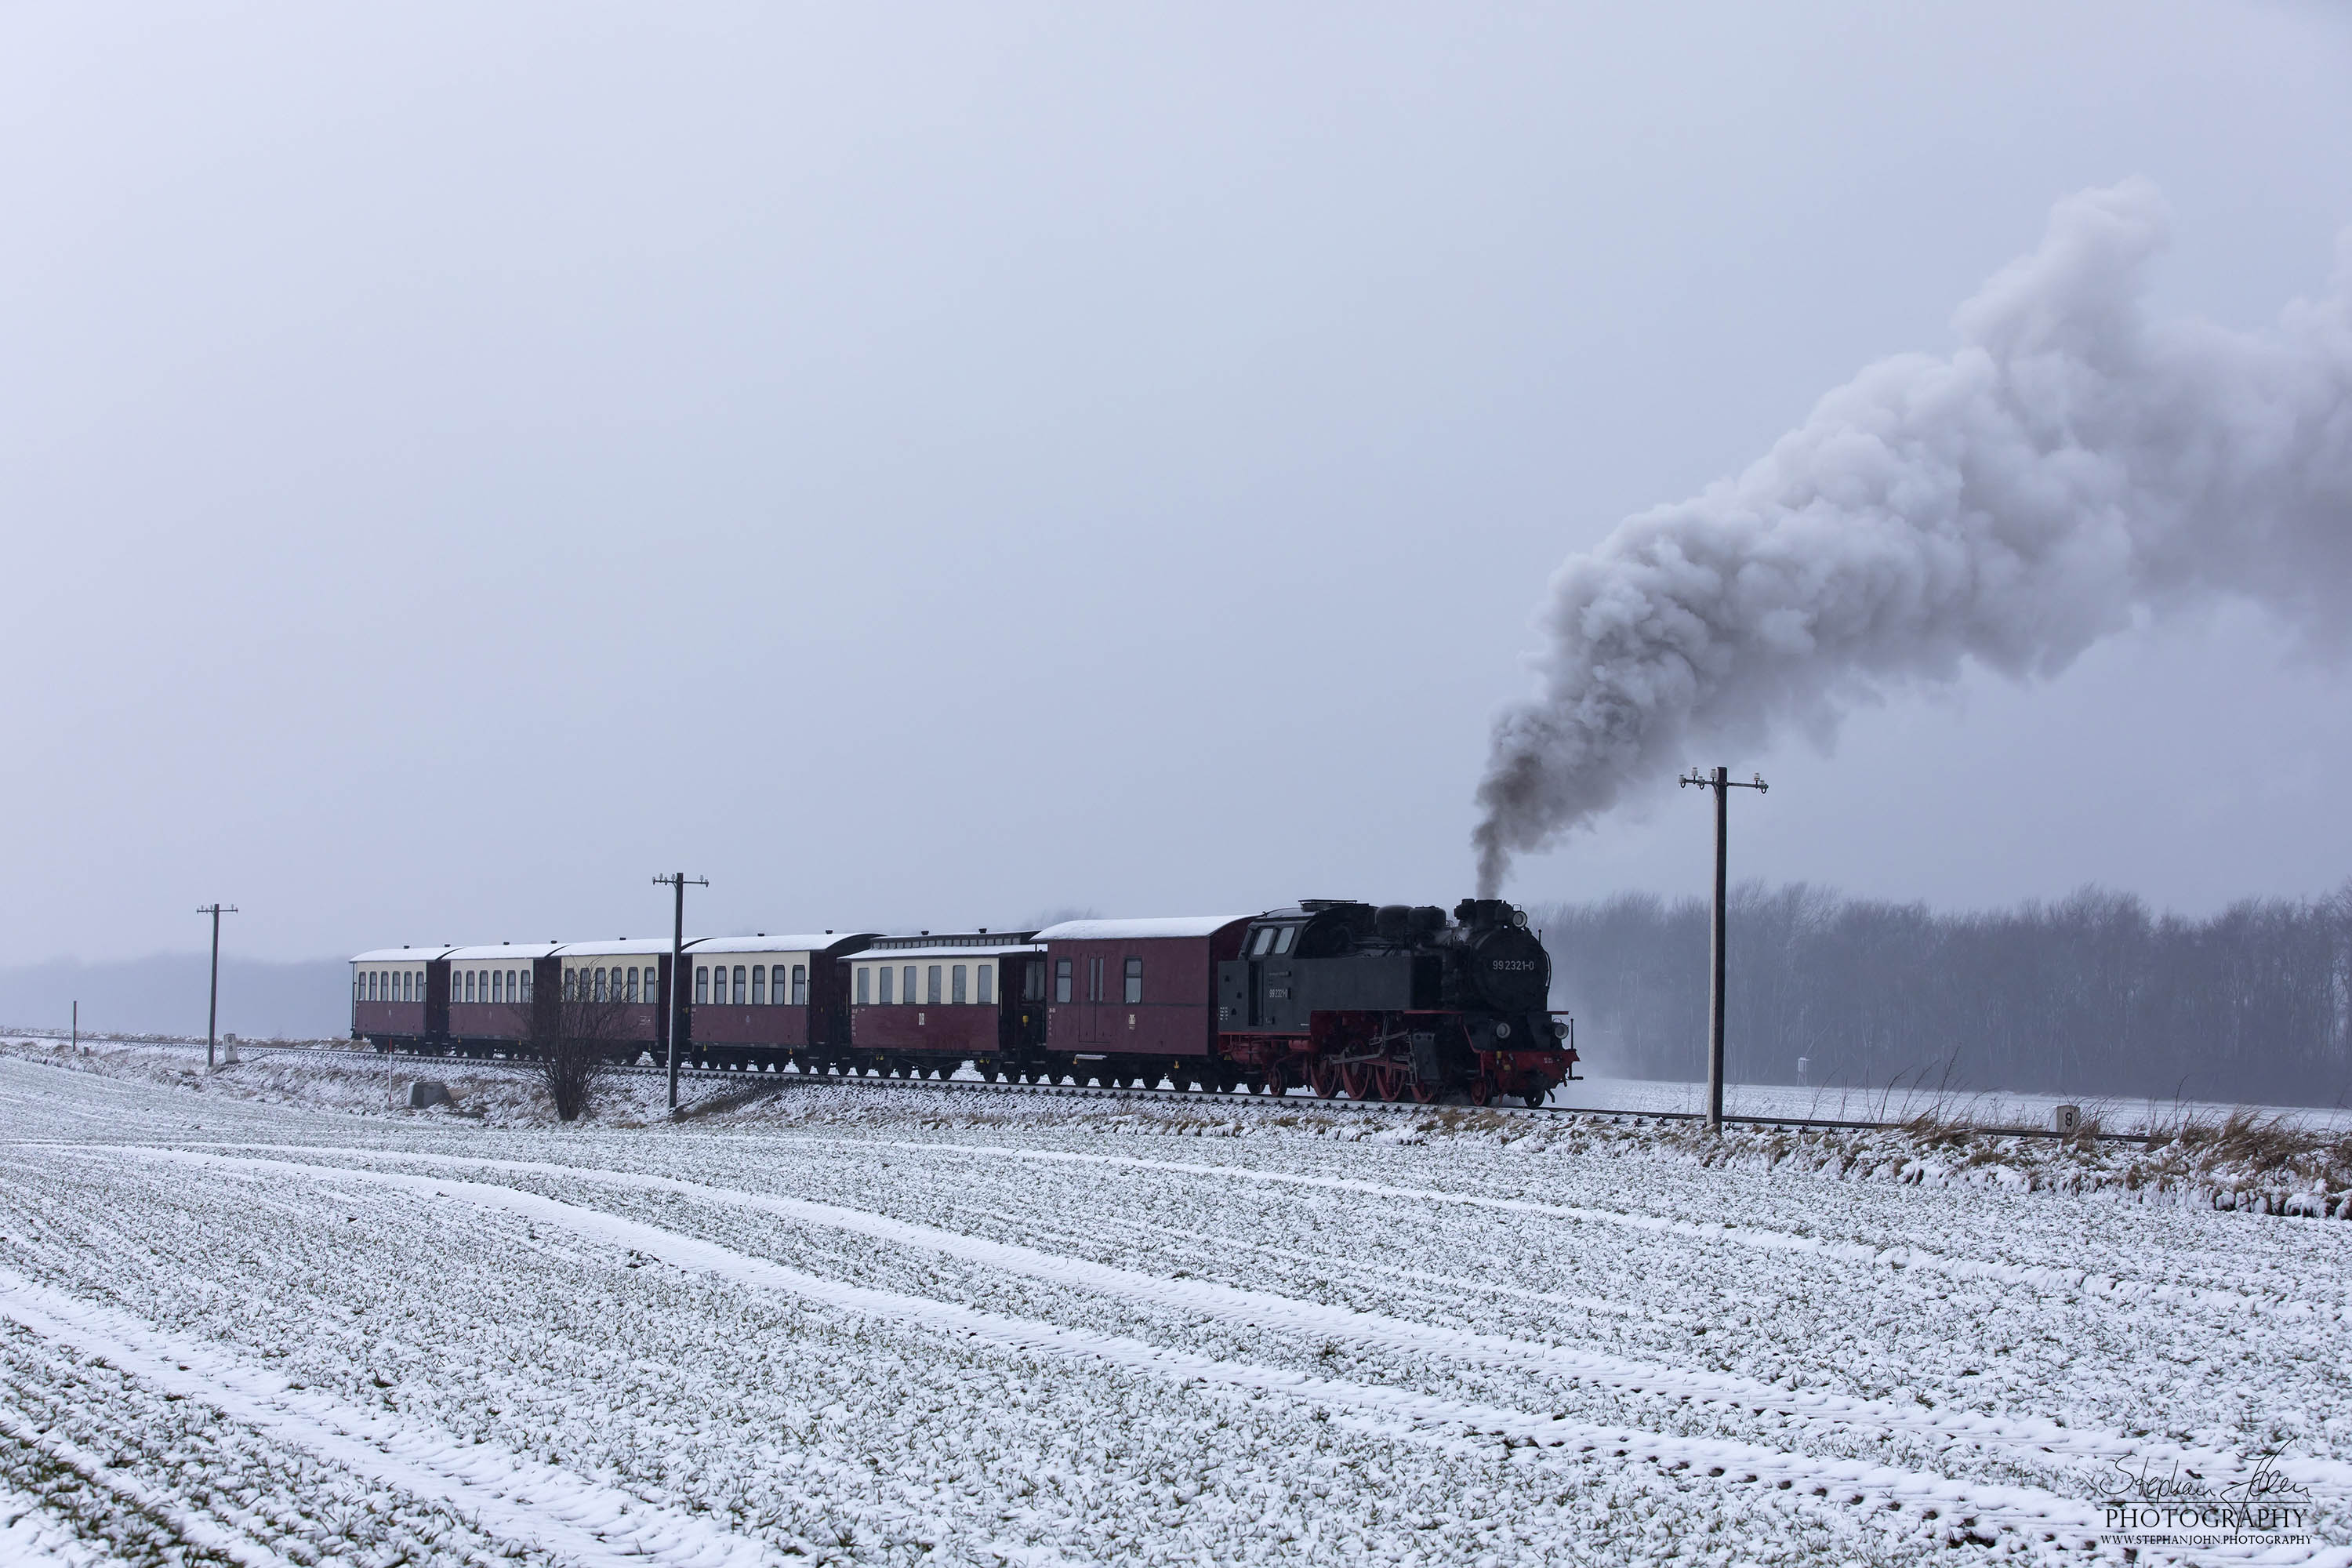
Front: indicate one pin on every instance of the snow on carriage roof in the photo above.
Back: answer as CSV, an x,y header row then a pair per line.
x,y
499,951
617,945
817,941
401,954
1140,930
893,954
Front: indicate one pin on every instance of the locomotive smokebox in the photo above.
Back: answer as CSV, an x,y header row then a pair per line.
x,y
1508,968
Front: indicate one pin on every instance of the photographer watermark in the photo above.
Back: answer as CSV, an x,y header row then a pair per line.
x,y
2181,1508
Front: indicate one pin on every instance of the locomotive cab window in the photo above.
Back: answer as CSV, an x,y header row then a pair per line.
x,y
1282,943
1264,941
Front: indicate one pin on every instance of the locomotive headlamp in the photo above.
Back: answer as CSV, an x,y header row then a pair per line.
x,y
1520,918
1502,1031
1558,1029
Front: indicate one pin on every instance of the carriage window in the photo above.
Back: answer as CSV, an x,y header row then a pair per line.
x,y
741,995
955,985
907,987
864,985
800,984
1282,943
701,984
473,985
632,983
1094,980
1061,980
931,991
1264,941
526,985
1134,981
987,985
1033,980
887,974
759,985
498,985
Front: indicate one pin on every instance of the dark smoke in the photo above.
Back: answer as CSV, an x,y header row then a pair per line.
x,y
2074,461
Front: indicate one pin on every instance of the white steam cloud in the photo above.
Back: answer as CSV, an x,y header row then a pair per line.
x,y
2073,461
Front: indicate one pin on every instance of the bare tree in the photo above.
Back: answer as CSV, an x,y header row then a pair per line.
x,y
577,1036
2094,993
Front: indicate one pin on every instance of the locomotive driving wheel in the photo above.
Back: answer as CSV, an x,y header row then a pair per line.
x,y
1326,1080
1361,1080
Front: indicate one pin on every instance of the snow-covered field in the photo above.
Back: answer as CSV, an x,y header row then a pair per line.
x,y
263,1318
1901,1101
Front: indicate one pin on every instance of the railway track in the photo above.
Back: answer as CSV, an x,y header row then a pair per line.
x,y
1141,1096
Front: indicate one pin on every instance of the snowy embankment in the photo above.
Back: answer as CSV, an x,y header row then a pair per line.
x,y
822,1323
2268,1161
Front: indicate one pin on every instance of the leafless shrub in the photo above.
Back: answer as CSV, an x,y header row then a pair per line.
x,y
576,1039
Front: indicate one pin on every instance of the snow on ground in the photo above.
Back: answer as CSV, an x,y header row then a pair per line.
x,y
262,1317
1901,1101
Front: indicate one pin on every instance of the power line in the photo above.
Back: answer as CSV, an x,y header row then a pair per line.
x,y
1721,782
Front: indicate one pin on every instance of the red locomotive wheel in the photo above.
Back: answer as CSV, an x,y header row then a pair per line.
x,y
1357,1078
1326,1080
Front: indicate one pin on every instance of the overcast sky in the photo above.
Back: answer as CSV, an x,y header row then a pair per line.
x,y
933,468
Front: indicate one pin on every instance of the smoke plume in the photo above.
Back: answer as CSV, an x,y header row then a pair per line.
x,y
2072,462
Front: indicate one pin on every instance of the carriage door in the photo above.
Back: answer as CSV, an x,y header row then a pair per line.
x,y
1090,994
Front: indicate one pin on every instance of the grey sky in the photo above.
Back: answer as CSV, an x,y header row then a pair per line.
x,y
933,467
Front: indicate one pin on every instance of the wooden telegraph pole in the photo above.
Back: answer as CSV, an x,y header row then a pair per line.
x,y
212,1010
680,882
1720,782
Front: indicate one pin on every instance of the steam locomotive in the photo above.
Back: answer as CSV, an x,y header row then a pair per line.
x,y
1394,1003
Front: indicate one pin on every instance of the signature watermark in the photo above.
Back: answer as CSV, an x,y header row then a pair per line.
x,y
2180,1506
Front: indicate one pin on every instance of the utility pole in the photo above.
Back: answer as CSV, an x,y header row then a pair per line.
x,y
77,1026
212,1012
678,881
1721,783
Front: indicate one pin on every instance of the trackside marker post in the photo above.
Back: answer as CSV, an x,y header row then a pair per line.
x,y
678,881
1721,783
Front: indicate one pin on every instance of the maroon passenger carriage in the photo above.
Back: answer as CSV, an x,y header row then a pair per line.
x,y
632,974
1134,1001
764,1000
400,996
925,1005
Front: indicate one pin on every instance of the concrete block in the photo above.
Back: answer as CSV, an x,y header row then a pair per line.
x,y
427,1091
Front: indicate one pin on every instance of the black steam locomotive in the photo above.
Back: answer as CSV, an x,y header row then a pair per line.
x,y
1395,1003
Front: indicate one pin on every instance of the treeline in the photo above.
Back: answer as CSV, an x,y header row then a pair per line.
x,y
2090,996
